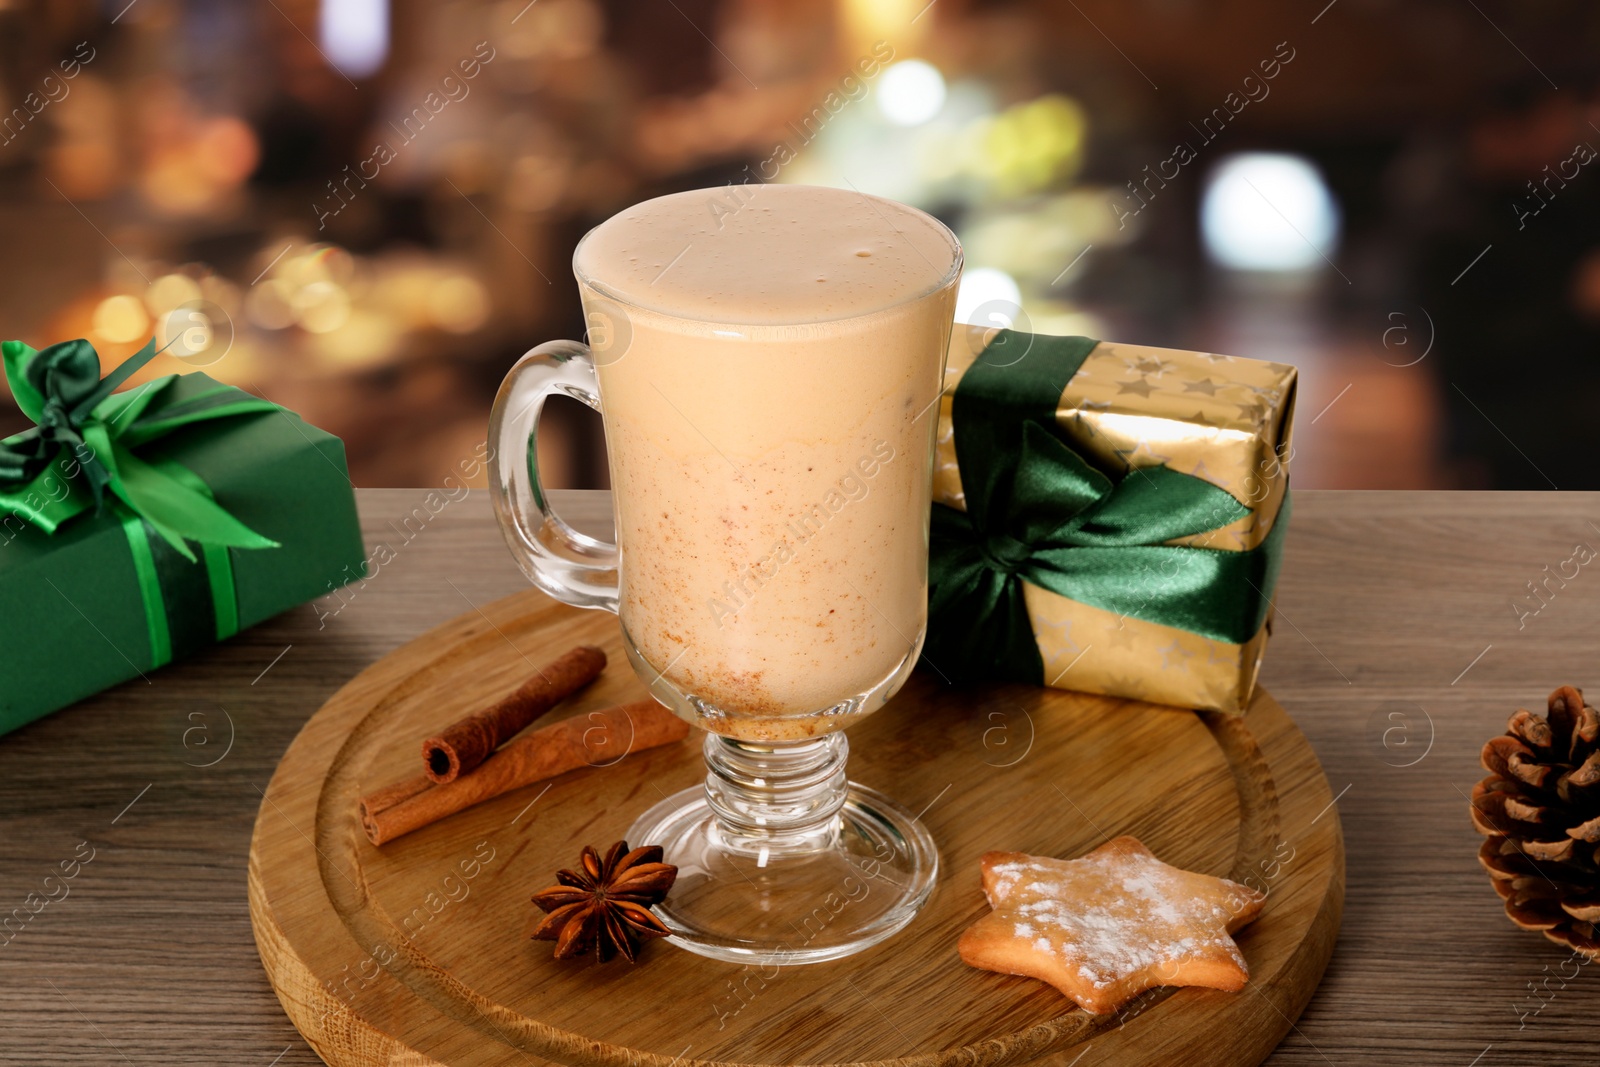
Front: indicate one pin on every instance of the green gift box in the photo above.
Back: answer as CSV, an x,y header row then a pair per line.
x,y
137,527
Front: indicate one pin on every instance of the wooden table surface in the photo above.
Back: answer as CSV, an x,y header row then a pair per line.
x,y
1398,650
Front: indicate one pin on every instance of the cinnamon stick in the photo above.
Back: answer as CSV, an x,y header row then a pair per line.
x,y
390,795
596,739
468,742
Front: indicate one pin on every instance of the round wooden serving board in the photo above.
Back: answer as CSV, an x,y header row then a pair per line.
x,y
418,953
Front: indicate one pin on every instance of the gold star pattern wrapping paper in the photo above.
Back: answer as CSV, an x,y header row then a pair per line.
x,y
1222,418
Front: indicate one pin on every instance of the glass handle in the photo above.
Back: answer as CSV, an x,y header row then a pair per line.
x,y
570,566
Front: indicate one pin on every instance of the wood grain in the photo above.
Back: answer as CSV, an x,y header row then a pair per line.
x,y
417,952
1385,600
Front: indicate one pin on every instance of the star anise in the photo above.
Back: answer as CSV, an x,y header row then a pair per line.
x,y
605,904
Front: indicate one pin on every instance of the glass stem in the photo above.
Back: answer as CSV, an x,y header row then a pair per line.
x,y
777,796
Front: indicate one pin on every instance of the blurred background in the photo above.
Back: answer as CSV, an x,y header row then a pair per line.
x,y
365,209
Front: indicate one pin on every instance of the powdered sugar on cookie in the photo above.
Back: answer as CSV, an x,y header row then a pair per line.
x,y
1107,926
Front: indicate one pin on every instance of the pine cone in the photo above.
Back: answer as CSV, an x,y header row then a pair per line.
x,y
1540,810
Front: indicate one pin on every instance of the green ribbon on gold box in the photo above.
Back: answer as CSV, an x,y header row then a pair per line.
x,y
1108,517
137,527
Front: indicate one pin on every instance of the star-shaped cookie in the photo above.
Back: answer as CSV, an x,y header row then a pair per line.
x,y
1107,926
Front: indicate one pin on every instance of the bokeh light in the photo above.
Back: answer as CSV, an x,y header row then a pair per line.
x,y
911,92
355,35
458,304
169,291
270,304
321,306
121,319
983,290
1268,211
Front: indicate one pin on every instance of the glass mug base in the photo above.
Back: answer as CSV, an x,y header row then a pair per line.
x,y
876,868
780,859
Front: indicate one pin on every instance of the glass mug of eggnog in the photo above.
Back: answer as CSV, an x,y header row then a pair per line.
x,y
769,376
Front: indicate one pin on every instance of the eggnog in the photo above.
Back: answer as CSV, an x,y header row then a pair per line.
x,y
769,362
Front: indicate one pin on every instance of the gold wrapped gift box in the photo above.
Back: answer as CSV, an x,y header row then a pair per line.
x,y
1225,419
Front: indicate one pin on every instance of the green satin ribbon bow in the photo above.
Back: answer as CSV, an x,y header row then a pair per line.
x,y
81,446
1037,512
81,456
